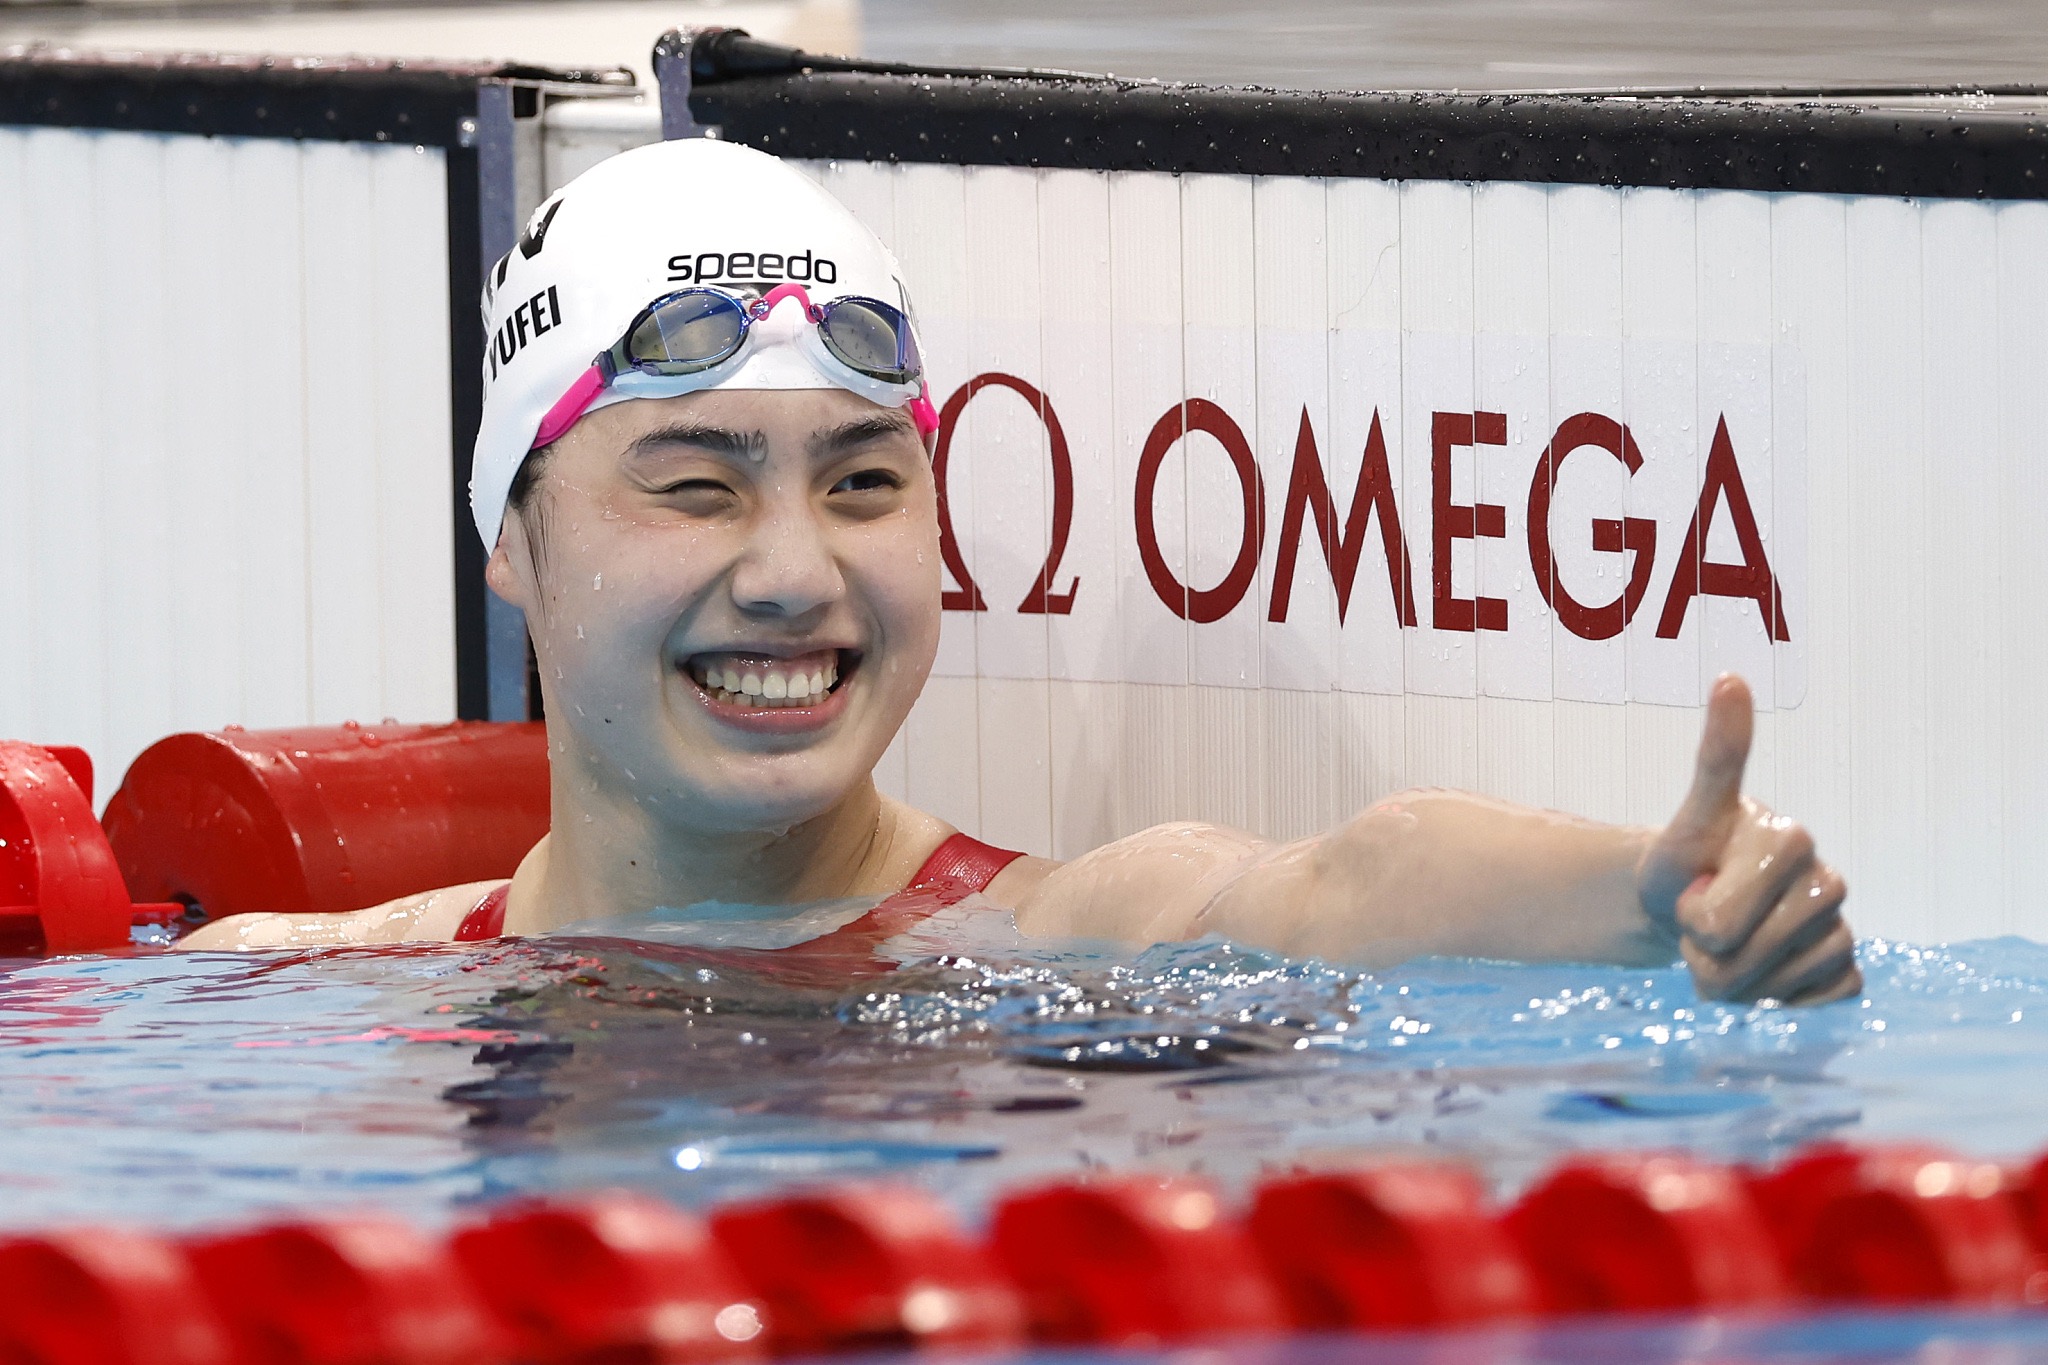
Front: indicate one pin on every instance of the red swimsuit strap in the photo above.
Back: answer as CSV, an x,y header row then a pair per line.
x,y
487,920
957,869
962,865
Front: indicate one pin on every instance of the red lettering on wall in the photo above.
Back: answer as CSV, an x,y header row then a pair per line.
x,y
1310,502
1697,575
1636,535
1458,521
1308,493
1040,598
1211,604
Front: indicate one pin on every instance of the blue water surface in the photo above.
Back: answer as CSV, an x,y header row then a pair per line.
x,y
185,1090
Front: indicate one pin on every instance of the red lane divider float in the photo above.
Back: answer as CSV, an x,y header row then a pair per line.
x,y
1396,1245
610,1278
106,1296
1134,1260
619,1279
1633,1233
867,1268
1900,1223
356,1290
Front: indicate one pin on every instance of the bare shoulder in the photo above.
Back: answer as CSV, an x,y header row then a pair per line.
x,y
1020,879
1149,887
427,917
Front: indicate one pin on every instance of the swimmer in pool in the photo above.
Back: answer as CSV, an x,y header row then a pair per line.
x,y
724,535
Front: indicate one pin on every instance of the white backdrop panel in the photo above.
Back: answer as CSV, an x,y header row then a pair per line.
x,y
224,469
1380,485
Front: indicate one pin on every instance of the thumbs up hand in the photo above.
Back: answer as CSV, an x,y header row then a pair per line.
x,y
1757,915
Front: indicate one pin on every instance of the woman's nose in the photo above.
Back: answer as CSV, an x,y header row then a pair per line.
x,y
788,568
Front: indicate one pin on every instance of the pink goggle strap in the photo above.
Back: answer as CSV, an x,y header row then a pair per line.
x,y
570,406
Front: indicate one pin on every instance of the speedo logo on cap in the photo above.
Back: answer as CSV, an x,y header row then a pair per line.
x,y
772,267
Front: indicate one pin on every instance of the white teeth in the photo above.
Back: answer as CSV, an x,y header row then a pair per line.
x,y
765,688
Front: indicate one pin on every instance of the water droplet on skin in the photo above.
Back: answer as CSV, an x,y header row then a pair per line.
x,y
579,632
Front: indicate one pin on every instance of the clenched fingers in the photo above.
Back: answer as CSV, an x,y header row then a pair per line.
x,y
1801,951
1833,972
1766,854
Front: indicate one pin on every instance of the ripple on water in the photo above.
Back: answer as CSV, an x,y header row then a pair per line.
x,y
191,1089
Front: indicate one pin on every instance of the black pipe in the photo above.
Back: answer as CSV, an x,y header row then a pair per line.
x,y
730,54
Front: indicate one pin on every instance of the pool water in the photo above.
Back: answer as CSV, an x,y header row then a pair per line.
x,y
184,1090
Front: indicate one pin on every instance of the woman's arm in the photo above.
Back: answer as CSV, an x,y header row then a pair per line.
x,y
429,916
1452,873
1734,889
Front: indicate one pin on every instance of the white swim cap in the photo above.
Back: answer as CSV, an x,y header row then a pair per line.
x,y
643,224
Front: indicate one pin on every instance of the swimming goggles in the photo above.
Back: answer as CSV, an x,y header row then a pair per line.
x,y
696,330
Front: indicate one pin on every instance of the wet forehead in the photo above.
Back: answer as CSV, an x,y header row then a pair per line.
x,y
749,425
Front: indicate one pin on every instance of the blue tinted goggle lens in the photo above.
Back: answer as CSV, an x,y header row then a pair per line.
x,y
872,338
687,332
695,329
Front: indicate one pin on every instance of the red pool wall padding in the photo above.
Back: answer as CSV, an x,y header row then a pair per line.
x,y
328,818
319,819
60,889
1128,1260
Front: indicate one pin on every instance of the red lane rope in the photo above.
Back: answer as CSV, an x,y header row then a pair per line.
x,y
1126,1259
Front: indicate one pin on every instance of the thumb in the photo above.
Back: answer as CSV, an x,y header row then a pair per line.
x,y
1691,844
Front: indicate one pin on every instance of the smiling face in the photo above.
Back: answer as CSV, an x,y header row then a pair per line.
x,y
734,599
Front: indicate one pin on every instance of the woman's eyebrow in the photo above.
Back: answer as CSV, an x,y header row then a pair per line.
x,y
858,432
736,445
